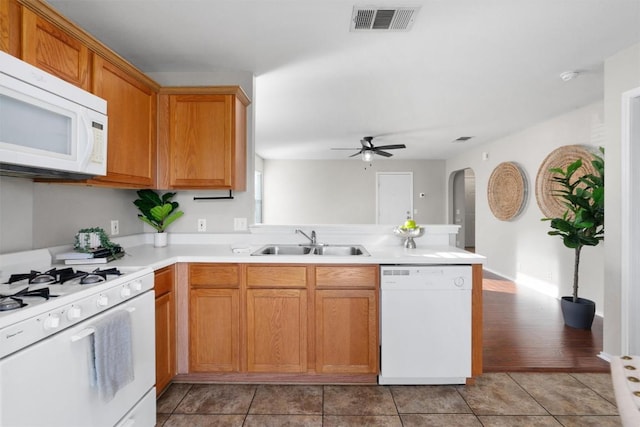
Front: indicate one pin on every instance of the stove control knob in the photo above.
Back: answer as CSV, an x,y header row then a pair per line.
x,y
102,301
51,322
136,285
74,313
125,292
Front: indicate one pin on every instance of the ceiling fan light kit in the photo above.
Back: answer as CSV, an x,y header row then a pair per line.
x,y
367,156
569,75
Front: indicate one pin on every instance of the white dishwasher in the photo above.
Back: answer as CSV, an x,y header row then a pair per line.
x,y
425,316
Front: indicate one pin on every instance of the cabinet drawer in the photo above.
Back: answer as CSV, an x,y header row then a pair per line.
x,y
214,275
164,281
341,276
269,276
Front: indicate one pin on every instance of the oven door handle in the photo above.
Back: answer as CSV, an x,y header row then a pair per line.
x,y
82,334
89,331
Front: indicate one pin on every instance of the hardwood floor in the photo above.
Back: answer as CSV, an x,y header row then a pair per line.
x,y
524,331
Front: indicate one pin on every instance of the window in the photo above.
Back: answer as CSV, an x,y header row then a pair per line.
x,y
258,197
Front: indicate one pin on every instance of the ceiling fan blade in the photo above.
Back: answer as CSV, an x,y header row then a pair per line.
x,y
383,153
391,147
356,154
345,149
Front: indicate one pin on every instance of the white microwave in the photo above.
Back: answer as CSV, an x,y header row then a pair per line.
x,y
48,127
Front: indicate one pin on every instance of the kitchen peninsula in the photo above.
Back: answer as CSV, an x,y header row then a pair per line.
x,y
284,318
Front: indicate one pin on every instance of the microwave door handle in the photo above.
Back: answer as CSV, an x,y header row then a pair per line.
x,y
86,127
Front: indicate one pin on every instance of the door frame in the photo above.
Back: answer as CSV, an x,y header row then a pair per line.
x,y
630,237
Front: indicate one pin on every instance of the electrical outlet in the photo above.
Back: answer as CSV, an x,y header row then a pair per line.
x,y
239,224
115,227
202,224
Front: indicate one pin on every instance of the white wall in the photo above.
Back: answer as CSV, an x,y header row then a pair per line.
x,y
38,215
16,214
344,191
622,73
521,249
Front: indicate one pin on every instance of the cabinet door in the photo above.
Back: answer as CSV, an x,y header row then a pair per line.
x,y
46,46
165,327
165,341
203,138
10,26
276,330
200,131
346,331
131,108
214,333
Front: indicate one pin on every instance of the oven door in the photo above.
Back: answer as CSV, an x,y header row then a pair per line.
x,y
49,383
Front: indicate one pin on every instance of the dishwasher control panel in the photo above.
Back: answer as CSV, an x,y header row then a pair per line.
x,y
426,276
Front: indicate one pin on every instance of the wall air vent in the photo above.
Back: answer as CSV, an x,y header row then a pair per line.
x,y
383,18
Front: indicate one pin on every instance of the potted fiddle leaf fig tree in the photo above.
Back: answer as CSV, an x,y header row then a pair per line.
x,y
158,211
582,224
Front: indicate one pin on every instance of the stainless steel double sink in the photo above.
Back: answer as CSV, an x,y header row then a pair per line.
x,y
326,250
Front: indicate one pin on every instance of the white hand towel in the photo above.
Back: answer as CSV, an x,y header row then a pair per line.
x,y
113,355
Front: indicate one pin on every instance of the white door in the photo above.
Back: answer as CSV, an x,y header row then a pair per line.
x,y
394,197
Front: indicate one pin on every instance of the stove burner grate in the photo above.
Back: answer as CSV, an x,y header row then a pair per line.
x,y
10,303
14,301
62,275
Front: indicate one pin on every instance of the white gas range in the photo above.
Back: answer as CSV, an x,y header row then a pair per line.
x,y
72,318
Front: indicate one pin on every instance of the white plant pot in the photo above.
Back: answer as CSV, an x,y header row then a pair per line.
x,y
160,240
88,241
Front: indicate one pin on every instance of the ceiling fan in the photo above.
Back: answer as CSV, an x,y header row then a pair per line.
x,y
368,149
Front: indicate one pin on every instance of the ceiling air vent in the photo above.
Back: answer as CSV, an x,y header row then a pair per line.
x,y
383,18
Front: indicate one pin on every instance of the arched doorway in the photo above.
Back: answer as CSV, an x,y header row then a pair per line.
x,y
463,207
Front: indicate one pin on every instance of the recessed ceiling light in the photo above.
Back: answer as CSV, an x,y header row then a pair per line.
x,y
569,75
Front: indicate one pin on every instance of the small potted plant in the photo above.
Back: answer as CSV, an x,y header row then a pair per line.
x,y
582,224
158,211
91,239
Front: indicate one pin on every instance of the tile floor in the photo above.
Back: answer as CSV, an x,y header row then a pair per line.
x,y
497,399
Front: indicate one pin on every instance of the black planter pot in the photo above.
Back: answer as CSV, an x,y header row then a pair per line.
x,y
579,314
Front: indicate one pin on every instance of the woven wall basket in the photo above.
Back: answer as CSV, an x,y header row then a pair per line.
x,y
550,205
507,191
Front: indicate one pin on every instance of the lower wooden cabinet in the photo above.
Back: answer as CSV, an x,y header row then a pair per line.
x,y
165,327
214,336
277,330
346,331
294,319
214,318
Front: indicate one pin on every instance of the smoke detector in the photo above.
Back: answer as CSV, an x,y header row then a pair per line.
x,y
383,18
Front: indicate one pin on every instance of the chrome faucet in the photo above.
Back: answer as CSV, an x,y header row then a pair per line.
x,y
313,238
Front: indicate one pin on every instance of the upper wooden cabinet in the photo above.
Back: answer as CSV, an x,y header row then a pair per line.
x,y
132,113
38,34
52,49
202,138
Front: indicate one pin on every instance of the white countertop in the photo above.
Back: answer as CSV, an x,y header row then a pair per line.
x,y
147,255
435,247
